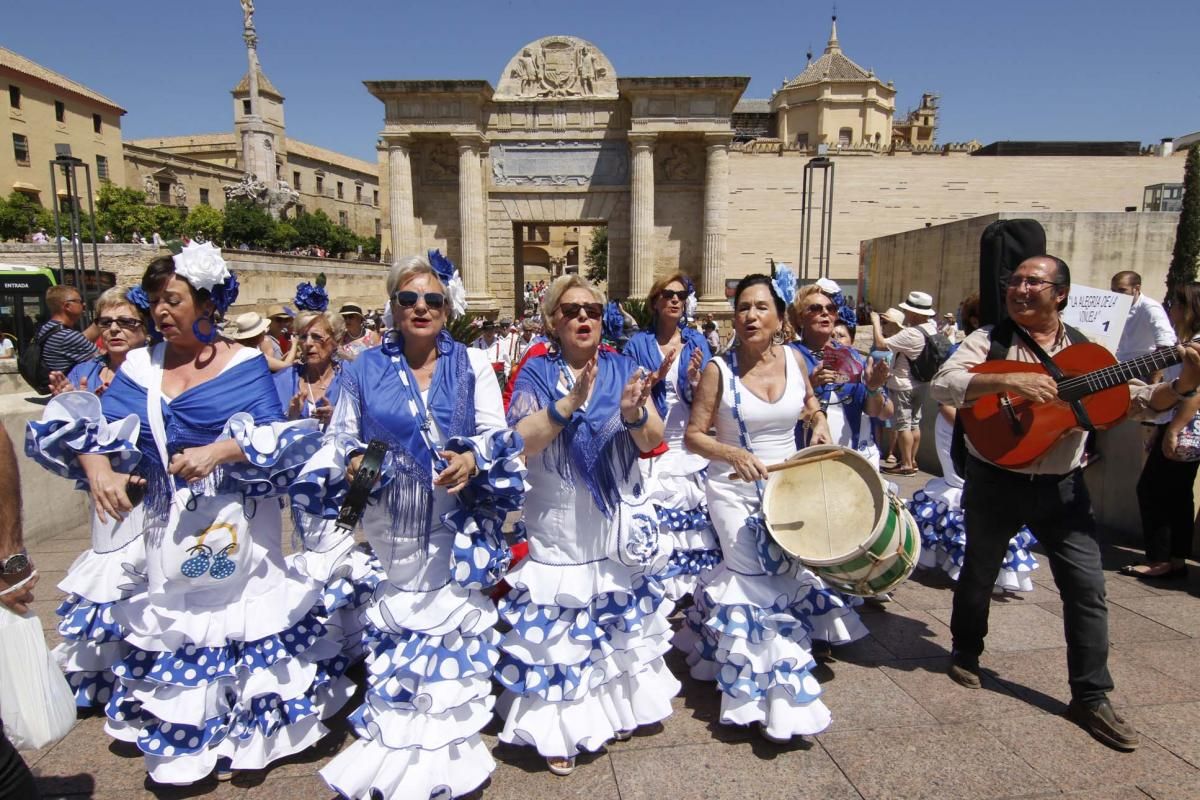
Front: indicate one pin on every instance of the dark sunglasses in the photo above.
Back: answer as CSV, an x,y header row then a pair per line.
x,y
124,323
593,310
817,308
679,294
409,299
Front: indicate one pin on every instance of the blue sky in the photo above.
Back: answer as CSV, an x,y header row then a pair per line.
x,y
1011,69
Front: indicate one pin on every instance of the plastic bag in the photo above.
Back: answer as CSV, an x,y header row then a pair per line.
x,y
35,699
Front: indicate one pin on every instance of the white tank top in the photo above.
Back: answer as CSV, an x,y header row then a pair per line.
x,y
771,426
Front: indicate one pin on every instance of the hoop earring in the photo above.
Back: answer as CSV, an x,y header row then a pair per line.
x,y
777,337
205,337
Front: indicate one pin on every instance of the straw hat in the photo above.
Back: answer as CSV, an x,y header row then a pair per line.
x,y
919,303
278,310
246,326
351,308
894,316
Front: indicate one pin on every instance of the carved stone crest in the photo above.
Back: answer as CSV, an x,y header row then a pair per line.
x,y
679,162
557,67
441,163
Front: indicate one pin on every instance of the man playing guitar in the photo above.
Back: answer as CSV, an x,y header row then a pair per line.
x,y
1049,495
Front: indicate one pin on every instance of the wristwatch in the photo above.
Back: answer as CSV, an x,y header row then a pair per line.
x,y
14,564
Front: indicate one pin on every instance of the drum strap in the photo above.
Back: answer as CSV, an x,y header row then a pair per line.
x,y
736,407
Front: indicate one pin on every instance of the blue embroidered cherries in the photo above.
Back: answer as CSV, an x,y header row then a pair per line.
x,y
202,559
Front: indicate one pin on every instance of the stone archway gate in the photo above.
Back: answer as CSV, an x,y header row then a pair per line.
x,y
561,139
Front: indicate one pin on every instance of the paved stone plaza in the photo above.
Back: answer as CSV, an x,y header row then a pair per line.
x,y
901,728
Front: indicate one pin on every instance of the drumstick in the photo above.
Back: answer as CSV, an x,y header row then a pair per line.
x,y
799,462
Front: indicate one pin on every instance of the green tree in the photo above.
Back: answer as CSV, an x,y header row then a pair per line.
x,y
246,223
596,256
314,229
1186,257
166,221
205,221
122,211
284,237
22,215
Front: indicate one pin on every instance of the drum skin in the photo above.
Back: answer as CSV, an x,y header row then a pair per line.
x,y
828,511
837,518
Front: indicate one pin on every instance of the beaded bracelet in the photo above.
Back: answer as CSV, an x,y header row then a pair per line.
x,y
555,416
633,426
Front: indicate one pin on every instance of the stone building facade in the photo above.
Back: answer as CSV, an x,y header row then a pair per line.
x,y
562,140
44,109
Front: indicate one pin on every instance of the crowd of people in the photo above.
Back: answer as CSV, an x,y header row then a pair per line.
x,y
535,506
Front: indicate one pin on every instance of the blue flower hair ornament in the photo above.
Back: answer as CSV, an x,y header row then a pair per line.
x,y
613,326
784,281
141,301
448,274
310,297
225,294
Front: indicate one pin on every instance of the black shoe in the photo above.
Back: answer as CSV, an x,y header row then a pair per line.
x,y
966,675
1103,722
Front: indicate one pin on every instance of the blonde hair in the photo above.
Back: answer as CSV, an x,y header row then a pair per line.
x,y
56,296
408,268
559,287
337,328
656,289
795,312
113,297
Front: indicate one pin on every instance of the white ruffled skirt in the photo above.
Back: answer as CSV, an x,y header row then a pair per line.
x,y
430,658
584,658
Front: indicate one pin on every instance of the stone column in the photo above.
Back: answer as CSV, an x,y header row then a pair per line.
x,y
400,198
716,218
641,218
472,220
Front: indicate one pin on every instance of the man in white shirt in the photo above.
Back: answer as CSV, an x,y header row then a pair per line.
x,y
907,394
1147,326
496,347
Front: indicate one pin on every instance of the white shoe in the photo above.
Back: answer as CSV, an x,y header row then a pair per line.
x,y
561,766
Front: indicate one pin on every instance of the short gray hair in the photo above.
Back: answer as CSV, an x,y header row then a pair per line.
x,y
119,296
559,287
336,326
408,268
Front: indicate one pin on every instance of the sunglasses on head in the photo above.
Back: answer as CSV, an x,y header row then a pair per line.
x,y
817,308
409,299
678,294
124,323
593,310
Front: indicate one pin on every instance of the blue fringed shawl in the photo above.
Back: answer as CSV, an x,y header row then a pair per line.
x,y
595,448
195,418
643,348
384,413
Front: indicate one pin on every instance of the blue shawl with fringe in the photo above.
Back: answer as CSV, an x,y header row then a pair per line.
x,y
642,347
594,448
385,414
195,418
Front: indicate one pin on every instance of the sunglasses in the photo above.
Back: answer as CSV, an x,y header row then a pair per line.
x,y
124,323
570,310
315,338
817,308
409,299
677,294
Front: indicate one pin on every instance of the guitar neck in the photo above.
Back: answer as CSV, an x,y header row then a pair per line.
x,y
1081,386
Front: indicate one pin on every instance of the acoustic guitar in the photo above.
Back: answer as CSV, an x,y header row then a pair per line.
x,y
1011,431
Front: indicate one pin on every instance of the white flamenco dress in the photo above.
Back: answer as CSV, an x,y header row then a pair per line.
x,y
756,615
584,658
675,483
226,659
431,642
937,508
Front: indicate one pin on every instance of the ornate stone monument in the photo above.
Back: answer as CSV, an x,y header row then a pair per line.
x,y
258,184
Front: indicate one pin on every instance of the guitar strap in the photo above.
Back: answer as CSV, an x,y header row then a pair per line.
x,y
1081,415
1002,334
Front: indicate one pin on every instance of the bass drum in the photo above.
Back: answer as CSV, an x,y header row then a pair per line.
x,y
837,517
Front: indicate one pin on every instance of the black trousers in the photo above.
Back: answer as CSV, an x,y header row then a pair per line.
x,y
1058,510
16,781
1164,493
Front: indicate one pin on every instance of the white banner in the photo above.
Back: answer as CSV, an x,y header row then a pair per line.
x,y
1099,313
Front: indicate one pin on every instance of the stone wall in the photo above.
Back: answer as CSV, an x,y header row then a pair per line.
x,y
878,196
264,278
944,259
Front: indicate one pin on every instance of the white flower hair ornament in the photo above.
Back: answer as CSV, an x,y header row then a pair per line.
x,y
456,292
201,265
